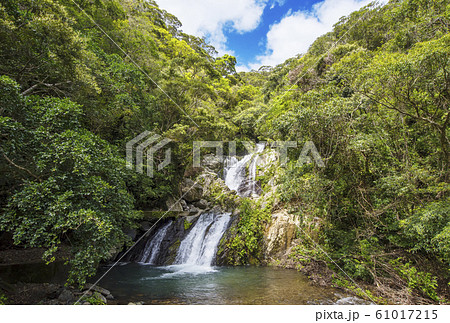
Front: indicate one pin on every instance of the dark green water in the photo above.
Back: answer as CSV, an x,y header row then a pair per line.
x,y
182,284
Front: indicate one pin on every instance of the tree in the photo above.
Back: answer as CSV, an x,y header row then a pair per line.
x,y
68,184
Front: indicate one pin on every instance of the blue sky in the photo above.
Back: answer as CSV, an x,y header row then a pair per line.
x,y
250,44
260,32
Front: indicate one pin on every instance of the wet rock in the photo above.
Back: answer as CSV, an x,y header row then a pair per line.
x,y
66,297
132,233
217,209
212,163
192,218
249,188
202,204
191,191
98,289
174,205
184,205
280,233
145,226
193,210
100,297
222,256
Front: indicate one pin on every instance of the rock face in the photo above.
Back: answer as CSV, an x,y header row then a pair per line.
x,y
131,233
212,163
222,256
66,297
174,205
191,191
98,289
209,192
202,204
249,188
280,234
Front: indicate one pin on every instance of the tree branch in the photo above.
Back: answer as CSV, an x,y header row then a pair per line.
x,y
20,167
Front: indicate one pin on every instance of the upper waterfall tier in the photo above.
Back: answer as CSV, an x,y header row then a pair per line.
x,y
237,177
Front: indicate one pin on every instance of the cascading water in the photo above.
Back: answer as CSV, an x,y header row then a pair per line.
x,y
235,173
152,248
199,246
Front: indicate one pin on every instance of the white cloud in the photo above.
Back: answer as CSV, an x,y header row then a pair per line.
x,y
290,36
209,18
277,2
298,30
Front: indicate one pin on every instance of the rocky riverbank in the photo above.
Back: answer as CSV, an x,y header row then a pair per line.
x,y
54,294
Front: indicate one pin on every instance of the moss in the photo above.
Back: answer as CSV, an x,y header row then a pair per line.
x,y
223,197
95,299
172,252
3,299
187,225
155,215
247,237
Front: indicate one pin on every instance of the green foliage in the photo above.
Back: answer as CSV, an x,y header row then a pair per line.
x,y
3,299
376,107
72,189
246,244
420,281
69,102
428,229
187,225
95,299
366,294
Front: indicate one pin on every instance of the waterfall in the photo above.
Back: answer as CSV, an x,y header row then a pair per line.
x,y
199,246
235,173
152,247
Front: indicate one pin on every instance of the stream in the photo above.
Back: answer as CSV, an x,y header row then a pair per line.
x,y
193,279
192,284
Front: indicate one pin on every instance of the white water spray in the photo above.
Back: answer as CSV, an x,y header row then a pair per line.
x,y
153,246
235,172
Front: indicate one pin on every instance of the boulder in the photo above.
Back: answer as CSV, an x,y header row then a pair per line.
x,y
145,226
202,204
184,205
132,233
212,163
193,210
174,205
191,191
280,234
100,297
192,218
98,289
66,297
